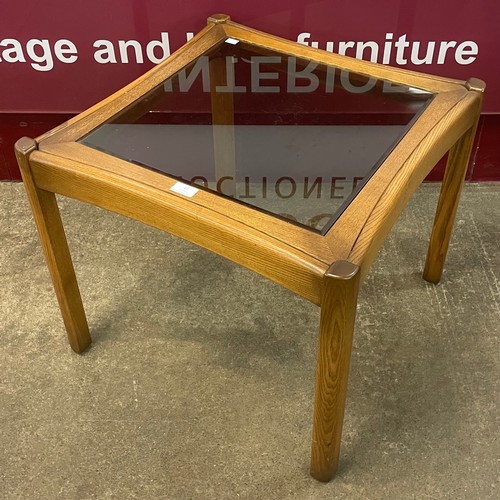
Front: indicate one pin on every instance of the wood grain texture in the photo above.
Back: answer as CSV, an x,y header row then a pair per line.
x,y
339,243
404,157
89,119
449,197
393,194
401,76
175,214
300,238
55,247
338,311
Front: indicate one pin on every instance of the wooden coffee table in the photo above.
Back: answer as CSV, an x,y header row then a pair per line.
x,y
288,160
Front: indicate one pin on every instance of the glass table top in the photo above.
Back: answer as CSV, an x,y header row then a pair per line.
x,y
287,136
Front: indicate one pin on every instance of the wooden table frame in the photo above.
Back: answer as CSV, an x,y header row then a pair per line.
x,y
326,270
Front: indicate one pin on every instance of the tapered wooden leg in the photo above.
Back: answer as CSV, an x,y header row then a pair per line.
x,y
456,168
338,311
55,247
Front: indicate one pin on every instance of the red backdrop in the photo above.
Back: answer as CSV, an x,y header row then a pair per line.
x,y
48,66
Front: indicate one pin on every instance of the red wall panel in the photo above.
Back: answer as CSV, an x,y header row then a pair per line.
x,y
39,88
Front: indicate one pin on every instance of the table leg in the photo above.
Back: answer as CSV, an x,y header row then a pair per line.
x,y
338,311
55,247
449,197
223,126
456,169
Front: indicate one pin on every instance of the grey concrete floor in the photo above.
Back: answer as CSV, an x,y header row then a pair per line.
x,y
200,379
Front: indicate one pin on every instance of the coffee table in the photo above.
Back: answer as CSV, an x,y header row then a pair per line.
x,y
288,160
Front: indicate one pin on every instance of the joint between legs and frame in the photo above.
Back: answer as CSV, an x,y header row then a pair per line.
x,y
475,84
218,19
342,269
25,146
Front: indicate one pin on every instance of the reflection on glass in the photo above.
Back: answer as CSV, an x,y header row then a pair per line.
x,y
291,137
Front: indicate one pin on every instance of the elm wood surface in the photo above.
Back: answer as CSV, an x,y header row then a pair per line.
x,y
326,269
456,169
338,312
55,247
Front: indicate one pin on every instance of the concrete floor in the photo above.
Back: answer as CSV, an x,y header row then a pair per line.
x,y
199,383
